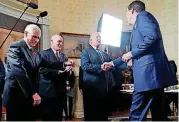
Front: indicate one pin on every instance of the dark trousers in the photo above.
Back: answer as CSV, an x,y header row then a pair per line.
x,y
52,109
19,108
0,108
143,101
95,105
68,106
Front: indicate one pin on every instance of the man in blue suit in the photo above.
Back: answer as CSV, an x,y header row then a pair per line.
x,y
52,85
151,69
2,81
96,84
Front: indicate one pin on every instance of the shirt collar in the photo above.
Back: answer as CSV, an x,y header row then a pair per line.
x,y
95,47
55,51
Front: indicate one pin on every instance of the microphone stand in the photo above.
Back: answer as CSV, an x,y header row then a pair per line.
x,y
13,27
37,20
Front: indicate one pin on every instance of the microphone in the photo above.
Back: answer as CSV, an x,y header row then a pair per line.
x,y
32,5
42,14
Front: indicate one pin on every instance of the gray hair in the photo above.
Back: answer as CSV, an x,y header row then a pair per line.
x,y
32,27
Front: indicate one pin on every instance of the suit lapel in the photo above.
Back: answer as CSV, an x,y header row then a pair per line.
x,y
94,56
52,54
27,52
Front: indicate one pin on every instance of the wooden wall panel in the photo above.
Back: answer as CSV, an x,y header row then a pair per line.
x,y
14,36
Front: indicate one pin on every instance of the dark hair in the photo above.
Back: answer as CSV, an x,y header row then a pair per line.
x,y
137,5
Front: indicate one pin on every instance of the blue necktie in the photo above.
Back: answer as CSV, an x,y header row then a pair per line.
x,y
100,55
108,74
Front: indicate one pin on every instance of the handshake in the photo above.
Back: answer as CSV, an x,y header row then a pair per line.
x,y
127,57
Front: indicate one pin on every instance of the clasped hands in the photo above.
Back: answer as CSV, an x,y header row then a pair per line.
x,y
127,57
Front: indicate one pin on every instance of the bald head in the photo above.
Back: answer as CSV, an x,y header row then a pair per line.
x,y
95,39
56,42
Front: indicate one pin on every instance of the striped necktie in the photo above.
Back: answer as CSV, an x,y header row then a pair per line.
x,y
100,55
108,74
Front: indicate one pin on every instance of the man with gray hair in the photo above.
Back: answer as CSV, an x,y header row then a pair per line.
x,y
97,84
23,62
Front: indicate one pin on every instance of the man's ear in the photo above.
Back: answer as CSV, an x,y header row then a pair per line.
x,y
133,11
25,33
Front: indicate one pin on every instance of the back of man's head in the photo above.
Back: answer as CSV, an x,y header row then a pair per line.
x,y
32,27
137,5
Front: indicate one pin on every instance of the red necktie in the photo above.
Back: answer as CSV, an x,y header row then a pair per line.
x,y
33,55
32,52
58,58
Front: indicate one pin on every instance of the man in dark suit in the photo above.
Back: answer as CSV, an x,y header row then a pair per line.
x,y
68,104
2,81
151,69
97,84
21,87
52,87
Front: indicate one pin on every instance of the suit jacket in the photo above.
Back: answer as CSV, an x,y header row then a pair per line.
x,y
2,76
151,69
22,70
93,76
51,83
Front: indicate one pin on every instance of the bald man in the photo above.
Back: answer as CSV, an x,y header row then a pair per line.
x,y
52,87
97,84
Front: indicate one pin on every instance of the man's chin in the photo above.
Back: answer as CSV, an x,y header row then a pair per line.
x,y
59,49
33,45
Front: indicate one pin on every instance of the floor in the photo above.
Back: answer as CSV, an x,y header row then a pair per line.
x,y
123,116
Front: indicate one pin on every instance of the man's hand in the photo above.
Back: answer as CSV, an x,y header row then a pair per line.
x,y
37,99
68,88
106,65
81,91
70,63
68,68
126,57
129,63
